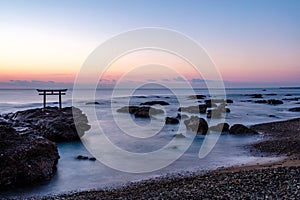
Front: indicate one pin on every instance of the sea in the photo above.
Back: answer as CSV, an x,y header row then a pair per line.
x,y
130,150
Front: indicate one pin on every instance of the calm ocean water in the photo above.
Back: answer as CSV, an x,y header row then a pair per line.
x,y
79,175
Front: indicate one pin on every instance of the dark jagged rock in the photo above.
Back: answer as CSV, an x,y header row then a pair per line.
x,y
271,94
272,116
261,101
274,102
171,120
198,96
25,159
51,123
196,124
255,95
229,101
92,103
222,127
92,159
297,109
288,95
240,129
151,103
194,109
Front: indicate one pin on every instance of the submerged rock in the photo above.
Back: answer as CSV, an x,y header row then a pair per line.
x,y
261,101
51,123
151,103
241,129
255,95
25,159
297,109
92,103
196,124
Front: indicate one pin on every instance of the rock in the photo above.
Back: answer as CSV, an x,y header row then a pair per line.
x,y
229,101
92,103
196,124
241,129
171,120
194,109
92,159
198,96
151,103
25,159
179,135
214,113
128,109
274,101
271,94
209,103
141,112
51,123
287,95
81,157
291,99
272,116
255,95
222,127
147,112
297,109
181,116
261,101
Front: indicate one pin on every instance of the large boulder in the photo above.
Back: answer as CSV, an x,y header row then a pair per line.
x,y
196,124
25,159
140,112
239,129
51,123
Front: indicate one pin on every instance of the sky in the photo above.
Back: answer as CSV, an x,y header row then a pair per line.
x,y
252,43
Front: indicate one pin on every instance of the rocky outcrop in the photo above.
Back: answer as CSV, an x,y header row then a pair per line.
x,y
239,129
196,124
51,123
151,103
25,159
142,112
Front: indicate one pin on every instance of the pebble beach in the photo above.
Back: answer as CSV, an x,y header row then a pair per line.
x,y
275,180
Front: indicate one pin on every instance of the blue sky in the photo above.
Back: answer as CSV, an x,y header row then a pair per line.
x,y
251,41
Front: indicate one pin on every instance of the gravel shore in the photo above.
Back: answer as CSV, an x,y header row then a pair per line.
x,y
278,180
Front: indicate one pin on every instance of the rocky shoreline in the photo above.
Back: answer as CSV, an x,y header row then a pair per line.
x,y
277,180
28,149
